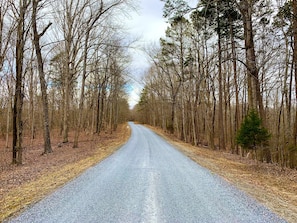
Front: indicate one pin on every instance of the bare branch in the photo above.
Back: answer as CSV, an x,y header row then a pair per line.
x,y
45,29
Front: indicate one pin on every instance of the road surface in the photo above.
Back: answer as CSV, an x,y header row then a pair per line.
x,y
147,180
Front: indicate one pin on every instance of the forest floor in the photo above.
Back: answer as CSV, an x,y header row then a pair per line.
x,y
271,185
40,174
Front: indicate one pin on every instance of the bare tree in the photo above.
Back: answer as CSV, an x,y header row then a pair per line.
x,y
6,30
36,41
295,64
7,27
255,95
69,16
97,12
21,34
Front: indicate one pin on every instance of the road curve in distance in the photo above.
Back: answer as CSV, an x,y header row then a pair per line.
x,y
147,181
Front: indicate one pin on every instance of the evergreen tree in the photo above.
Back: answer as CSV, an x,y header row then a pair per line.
x,y
175,8
252,133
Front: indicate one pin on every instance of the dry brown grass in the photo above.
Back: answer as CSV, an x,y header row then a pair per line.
x,y
267,183
51,171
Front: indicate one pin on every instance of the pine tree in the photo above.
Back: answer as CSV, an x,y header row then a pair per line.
x,y
251,133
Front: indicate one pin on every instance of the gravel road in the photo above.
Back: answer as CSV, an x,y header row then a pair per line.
x,y
147,180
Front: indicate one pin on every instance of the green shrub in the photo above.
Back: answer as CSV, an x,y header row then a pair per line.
x,y
251,133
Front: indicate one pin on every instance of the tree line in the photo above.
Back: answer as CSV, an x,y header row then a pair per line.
x,y
221,63
63,66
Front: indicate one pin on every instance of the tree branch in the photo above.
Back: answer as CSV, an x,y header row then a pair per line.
x,y
45,29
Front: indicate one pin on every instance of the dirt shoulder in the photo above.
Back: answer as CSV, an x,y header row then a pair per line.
x,y
40,175
267,183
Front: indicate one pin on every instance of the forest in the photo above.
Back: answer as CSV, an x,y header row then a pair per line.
x,y
224,77
62,66
220,87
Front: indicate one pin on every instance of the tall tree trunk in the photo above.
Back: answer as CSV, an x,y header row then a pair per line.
x,y
36,40
66,103
67,88
295,65
255,95
31,104
210,108
98,111
82,89
286,93
172,124
222,144
193,115
18,97
236,121
278,132
183,126
9,108
68,64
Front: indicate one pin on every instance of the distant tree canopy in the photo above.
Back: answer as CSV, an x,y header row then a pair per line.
x,y
218,61
63,65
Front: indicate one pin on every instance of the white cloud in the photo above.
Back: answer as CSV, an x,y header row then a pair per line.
x,y
148,22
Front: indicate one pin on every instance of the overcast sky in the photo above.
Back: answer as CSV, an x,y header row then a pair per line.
x,y
148,25
148,21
